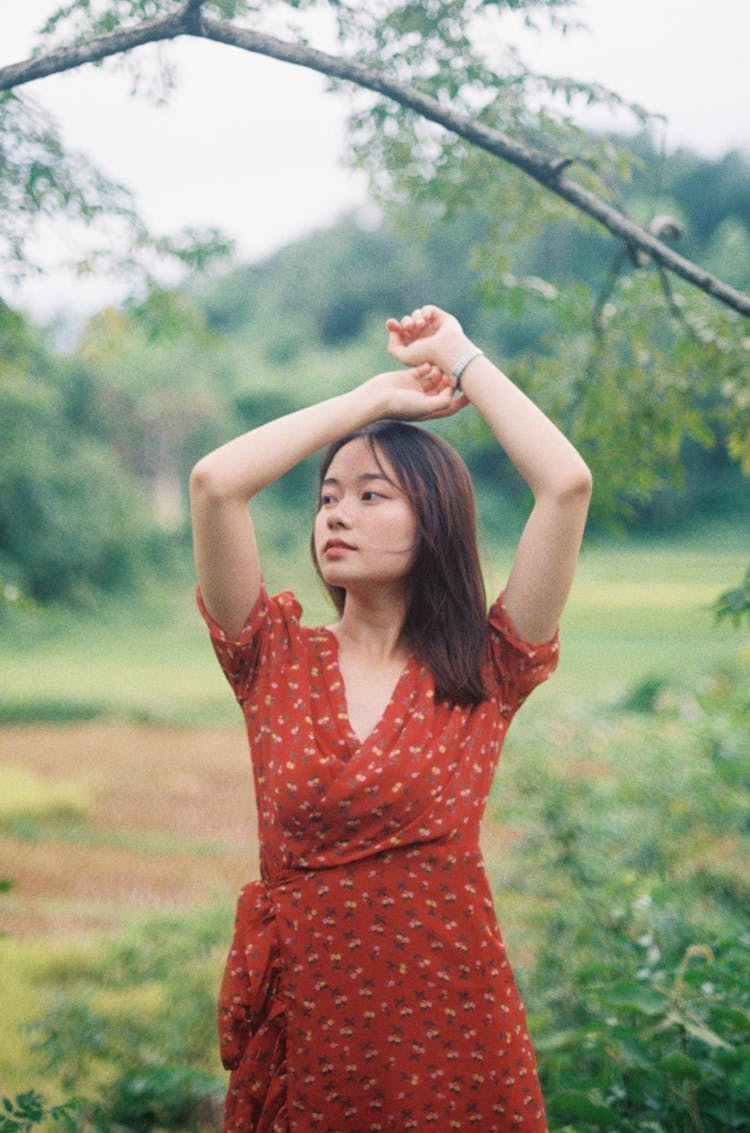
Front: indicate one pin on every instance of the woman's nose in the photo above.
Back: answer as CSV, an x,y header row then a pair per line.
x,y
338,515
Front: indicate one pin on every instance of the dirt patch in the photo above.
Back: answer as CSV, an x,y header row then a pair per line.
x,y
171,825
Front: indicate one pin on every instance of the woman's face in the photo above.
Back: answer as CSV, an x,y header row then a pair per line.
x,y
365,530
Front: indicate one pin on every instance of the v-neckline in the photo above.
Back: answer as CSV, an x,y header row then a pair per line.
x,y
355,742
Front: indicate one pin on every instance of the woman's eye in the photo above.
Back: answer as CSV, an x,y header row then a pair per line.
x,y
326,500
368,496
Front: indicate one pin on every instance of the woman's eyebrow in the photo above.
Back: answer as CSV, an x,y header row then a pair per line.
x,y
365,477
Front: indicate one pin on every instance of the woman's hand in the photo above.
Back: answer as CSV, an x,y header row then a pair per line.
x,y
427,335
421,393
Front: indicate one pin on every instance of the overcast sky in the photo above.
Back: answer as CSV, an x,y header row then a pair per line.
x,y
254,146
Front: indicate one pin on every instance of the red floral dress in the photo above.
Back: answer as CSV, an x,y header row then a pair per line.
x,y
367,988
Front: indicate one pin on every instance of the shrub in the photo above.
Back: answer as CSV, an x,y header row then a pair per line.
x,y
30,1109
642,975
135,1031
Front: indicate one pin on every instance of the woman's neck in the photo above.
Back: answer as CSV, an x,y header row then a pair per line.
x,y
372,626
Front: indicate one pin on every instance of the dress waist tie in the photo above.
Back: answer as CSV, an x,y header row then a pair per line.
x,y
252,1023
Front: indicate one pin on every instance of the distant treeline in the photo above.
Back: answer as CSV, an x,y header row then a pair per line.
x,y
96,444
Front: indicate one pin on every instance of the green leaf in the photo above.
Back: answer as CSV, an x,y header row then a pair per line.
x,y
734,604
704,1034
576,1104
695,1028
680,1065
563,1040
637,997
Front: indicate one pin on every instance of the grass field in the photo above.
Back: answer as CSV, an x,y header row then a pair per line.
x,y
140,805
642,609
636,609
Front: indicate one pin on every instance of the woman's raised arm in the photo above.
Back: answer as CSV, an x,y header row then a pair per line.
x,y
223,483
559,479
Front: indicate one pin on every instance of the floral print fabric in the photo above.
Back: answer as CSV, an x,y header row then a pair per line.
x,y
367,988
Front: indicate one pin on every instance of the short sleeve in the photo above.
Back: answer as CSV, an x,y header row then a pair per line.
x,y
518,666
269,628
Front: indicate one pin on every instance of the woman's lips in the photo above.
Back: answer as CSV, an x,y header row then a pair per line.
x,y
336,545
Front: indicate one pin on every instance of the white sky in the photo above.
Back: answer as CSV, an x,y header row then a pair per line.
x,y
253,146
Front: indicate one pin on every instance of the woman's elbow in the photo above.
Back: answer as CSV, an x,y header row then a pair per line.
x,y
207,481
572,498
581,483
572,485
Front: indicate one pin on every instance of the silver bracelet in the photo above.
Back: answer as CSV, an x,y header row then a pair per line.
x,y
462,363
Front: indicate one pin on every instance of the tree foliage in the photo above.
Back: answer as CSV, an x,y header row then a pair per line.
x,y
71,521
570,235
97,444
41,183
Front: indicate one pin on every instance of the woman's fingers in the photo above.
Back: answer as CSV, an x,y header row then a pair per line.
x,y
455,405
422,322
432,378
419,393
417,336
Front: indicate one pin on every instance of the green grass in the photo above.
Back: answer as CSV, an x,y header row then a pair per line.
x,y
642,610
62,830
637,609
151,663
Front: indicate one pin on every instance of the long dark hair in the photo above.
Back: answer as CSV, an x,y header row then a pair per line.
x,y
446,612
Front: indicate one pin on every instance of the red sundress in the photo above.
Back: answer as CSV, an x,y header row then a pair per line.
x,y
367,988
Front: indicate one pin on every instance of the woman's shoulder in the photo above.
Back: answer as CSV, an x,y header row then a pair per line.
x,y
516,662
267,611
271,637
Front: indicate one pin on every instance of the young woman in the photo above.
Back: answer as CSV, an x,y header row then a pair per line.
x,y
367,988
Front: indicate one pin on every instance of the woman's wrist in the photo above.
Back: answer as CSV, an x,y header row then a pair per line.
x,y
453,353
463,362
363,405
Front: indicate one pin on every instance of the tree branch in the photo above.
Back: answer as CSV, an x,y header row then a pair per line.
x,y
91,51
191,13
189,20
547,171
